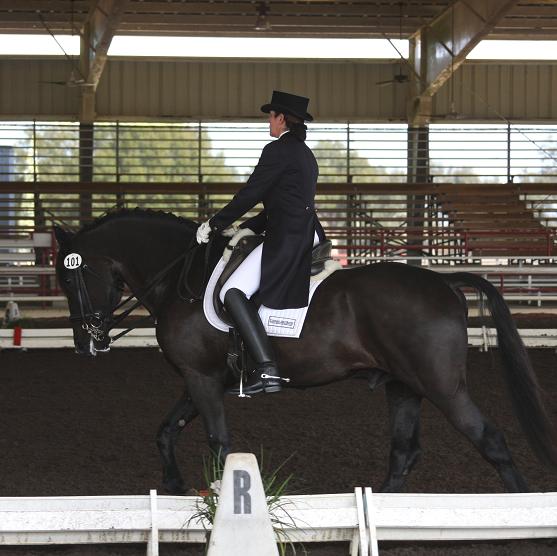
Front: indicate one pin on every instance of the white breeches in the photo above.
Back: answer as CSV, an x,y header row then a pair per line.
x,y
247,276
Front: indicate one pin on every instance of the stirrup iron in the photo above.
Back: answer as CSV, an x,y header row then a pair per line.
x,y
241,394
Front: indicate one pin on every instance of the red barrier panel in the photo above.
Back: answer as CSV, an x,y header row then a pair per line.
x,y
17,335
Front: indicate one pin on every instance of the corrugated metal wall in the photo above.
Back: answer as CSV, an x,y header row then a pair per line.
x,y
179,89
236,90
526,91
26,89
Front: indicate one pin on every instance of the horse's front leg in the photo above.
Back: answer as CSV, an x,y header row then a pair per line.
x,y
179,416
207,393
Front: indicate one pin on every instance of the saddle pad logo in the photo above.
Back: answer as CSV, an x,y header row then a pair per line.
x,y
72,261
282,322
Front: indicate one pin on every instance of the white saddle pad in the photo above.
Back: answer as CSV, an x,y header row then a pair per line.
x,y
278,322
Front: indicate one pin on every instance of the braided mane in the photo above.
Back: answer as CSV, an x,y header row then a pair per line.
x,y
138,213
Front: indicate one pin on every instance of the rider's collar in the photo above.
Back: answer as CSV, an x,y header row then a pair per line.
x,y
285,131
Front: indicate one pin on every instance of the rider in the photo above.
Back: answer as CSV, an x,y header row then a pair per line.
x,y
284,180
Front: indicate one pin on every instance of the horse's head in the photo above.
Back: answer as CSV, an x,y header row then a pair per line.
x,y
93,288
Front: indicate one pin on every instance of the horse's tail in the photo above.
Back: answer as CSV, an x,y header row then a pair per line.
x,y
522,382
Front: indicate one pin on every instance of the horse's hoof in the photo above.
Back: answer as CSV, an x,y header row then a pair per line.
x,y
175,489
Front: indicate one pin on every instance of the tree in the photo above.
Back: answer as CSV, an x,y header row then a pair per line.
x,y
123,153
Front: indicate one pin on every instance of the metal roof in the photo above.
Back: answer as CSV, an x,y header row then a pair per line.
x,y
280,18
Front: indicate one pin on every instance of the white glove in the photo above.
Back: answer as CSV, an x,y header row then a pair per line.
x,y
230,231
203,233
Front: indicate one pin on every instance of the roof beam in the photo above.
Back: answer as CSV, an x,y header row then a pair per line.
x,y
442,46
102,22
98,30
438,49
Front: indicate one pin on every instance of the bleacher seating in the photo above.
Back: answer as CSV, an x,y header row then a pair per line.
x,y
26,270
496,221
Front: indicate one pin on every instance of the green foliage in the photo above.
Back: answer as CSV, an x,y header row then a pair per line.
x,y
336,167
139,153
181,153
127,152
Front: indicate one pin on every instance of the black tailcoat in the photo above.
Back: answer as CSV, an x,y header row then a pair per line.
x,y
284,180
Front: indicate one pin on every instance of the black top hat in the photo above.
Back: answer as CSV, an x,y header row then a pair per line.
x,y
288,104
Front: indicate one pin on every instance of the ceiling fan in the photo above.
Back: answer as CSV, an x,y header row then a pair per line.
x,y
76,78
400,77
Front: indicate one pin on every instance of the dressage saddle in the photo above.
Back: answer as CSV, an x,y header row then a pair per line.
x,y
319,255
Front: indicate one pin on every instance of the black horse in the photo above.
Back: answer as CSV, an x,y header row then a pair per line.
x,y
393,323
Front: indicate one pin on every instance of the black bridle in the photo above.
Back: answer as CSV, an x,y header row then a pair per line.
x,y
92,321
98,324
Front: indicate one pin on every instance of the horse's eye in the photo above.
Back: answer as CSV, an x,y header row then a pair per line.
x,y
67,281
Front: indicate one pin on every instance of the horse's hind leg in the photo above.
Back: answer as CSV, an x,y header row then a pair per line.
x,y
404,417
465,416
179,416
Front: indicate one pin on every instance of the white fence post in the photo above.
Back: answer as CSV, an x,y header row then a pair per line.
x,y
485,343
153,542
355,543
363,544
371,522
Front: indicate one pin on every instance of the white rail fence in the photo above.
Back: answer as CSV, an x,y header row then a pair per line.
x,y
360,518
50,338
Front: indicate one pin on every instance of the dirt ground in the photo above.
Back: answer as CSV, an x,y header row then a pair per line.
x,y
77,426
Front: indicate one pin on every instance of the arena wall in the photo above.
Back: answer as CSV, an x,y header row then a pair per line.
x,y
182,89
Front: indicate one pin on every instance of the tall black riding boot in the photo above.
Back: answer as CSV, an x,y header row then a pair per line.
x,y
266,377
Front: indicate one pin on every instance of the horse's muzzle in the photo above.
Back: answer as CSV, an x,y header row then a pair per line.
x,y
89,344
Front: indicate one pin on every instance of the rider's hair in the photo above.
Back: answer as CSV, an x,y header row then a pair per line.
x,y
296,126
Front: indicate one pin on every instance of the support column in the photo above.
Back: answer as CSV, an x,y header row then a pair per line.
x,y
39,220
419,115
86,142
86,130
98,30
418,172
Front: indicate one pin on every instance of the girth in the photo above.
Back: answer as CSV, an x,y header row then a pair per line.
x,y
319,255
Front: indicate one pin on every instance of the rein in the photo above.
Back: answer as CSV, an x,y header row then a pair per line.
x,y
188,257
183,283
115,320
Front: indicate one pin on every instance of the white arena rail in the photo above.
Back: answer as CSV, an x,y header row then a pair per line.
x,y
359,518
50,338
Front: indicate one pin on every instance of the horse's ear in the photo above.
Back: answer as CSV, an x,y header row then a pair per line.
x,y
62,236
